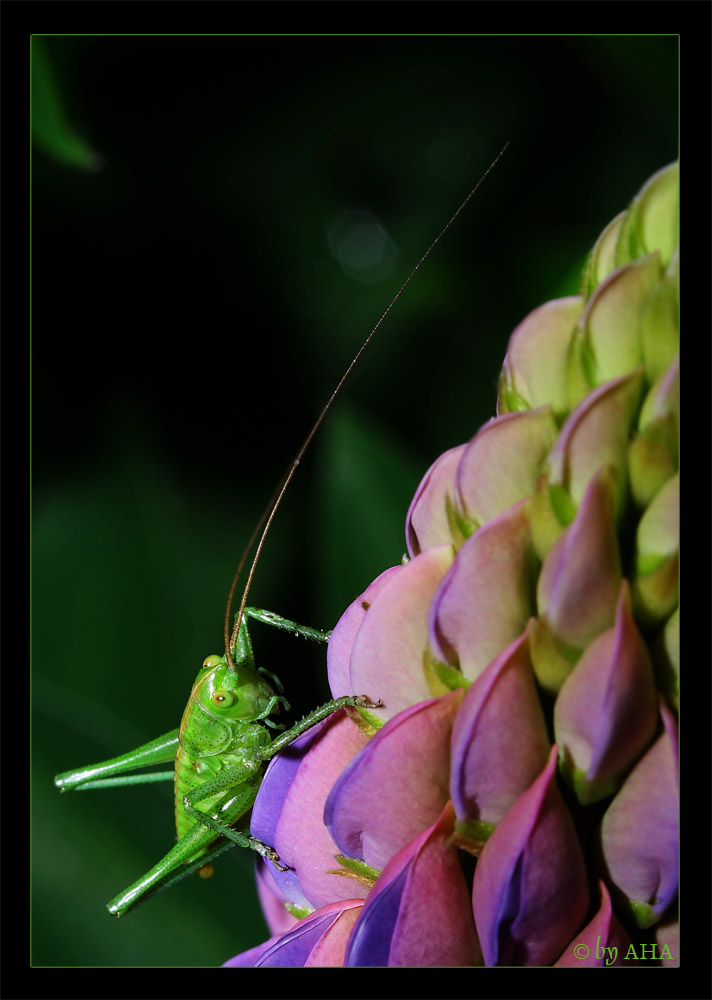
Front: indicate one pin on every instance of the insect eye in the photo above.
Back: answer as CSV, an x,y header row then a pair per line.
x,y
211,661
223,699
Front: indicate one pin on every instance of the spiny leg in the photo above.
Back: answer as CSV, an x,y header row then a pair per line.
x,y
323,712
270,618
192,852
197,848
151,777
305,631
241,776
103,775
244,781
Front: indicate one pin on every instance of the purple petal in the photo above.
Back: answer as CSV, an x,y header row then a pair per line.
x,y
330,949
247,959
427,523
607,710
396,786
603,942
419,911
499,739
370,943
304,944
667,939
580,580
388,651
639,832
530,893
267,809
289,809
342,638
484,601
596,434
279,919
501,464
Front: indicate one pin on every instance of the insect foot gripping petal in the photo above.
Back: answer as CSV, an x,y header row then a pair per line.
x,y
266,851
363,701
274,858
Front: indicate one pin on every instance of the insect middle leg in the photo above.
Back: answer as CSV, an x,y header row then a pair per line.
x,y
241,782
323,712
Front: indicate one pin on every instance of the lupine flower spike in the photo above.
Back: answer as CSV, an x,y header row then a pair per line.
x,y
514,801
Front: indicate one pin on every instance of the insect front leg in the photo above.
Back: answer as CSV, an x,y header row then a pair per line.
x,y
270,618
323,712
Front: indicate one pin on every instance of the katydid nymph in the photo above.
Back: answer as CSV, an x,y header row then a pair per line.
x,y
226,738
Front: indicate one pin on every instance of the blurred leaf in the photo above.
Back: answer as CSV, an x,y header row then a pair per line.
x,y
52,131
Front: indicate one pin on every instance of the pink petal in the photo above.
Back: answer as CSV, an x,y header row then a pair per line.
x,y
387,654
427,524
639,832
499,740
534,371
396,786
607,711
330,949
419,912
279,919
596,434
580,580
530,892
501,464
338,653
299,835
249,958
603,942
484,601
310,941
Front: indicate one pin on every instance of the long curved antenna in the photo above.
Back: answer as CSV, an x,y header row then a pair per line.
x,y
270,510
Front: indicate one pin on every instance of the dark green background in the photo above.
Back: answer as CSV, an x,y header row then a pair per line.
x,y
190,318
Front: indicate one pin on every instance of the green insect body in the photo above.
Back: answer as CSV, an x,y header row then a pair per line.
x,y
219,755
221,733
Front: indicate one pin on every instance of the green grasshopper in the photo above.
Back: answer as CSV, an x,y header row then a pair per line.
x,y
221,750
219,753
